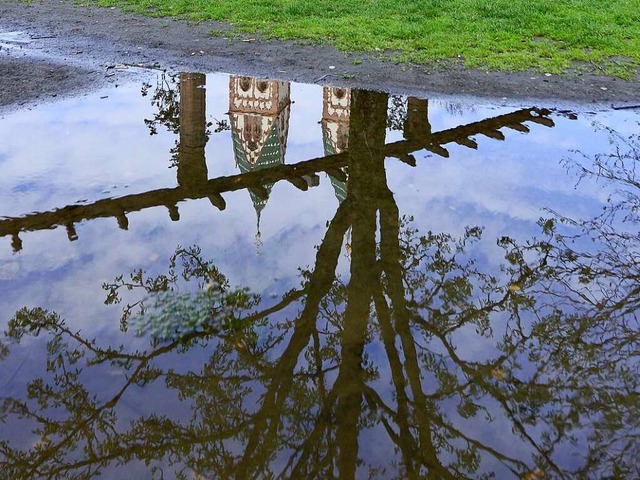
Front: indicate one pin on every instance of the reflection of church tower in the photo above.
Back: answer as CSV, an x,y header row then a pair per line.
x,y
416,126
336,105
192,167
259,113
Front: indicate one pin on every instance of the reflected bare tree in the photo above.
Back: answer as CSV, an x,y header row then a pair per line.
x,y
607,275
596,260
387,356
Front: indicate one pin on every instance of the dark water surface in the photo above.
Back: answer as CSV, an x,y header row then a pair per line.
x,y
228,277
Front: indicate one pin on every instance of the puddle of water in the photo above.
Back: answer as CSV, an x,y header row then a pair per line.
x,y
219,277
9,39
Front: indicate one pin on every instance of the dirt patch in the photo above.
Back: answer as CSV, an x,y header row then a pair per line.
x,y
71,47
28,82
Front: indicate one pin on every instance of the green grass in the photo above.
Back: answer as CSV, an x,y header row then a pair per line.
x,y
545,35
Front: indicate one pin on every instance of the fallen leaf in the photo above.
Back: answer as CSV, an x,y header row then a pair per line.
x,y
535,475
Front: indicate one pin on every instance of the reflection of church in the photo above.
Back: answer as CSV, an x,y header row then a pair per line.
x,y
259,113
336,105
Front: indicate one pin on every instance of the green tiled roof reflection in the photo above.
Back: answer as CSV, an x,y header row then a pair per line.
x,y
272,154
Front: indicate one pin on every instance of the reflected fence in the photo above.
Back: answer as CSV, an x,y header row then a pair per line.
x,y
259,113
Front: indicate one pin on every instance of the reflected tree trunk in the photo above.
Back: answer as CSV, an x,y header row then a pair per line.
x,y
398,325
366,173
267,421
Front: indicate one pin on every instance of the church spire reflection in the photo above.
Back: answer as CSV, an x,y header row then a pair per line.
x,y
259,112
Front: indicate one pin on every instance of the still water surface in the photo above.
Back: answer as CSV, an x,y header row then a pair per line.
x,y
226,277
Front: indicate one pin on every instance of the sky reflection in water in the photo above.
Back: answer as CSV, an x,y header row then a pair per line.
x,y
345,317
